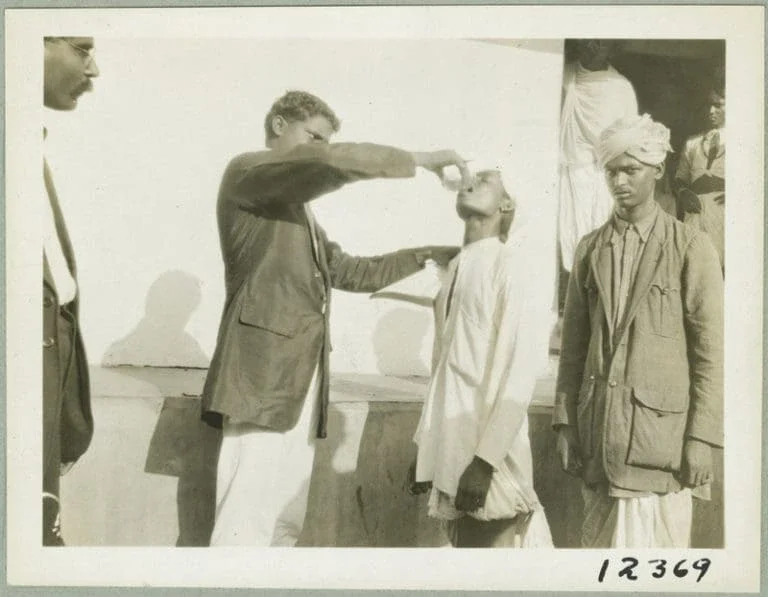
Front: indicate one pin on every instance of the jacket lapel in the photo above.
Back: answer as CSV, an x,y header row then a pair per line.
x,y
602,270
47,276
646,269
318,244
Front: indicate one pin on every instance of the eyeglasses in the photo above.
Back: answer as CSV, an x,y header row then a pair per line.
x,y
86,53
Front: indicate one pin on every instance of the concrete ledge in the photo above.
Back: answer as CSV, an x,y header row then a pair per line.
x,y
160,382
148,478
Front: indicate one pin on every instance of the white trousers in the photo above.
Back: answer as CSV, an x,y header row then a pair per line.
x,y
262,480
646,521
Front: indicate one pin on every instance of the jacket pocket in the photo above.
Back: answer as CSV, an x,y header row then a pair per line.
x,y
585,415
283,324
658,429
666,310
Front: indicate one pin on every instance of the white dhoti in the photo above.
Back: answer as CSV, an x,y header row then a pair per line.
x,y
636,522
592,101
262,482
586,203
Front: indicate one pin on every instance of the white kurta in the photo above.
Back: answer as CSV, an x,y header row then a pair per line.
x,y
487,353
592,101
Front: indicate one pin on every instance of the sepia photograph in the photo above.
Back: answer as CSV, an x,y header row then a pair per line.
x,y
452,278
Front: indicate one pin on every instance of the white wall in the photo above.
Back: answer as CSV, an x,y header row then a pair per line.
x,y
137,168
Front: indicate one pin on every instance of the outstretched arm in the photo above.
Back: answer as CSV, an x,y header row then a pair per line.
x,y
312,170
369,274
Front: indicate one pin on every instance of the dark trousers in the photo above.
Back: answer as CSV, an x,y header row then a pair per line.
x,y
55,406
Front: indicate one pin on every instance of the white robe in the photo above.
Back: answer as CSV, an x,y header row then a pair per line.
x,y
593,100
487,354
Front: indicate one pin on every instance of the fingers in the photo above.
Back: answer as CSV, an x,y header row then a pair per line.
x,y
570,458
468,500
466,175
696,476
703,476
419,488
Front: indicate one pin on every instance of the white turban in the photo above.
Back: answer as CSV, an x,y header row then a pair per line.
x,y
637,136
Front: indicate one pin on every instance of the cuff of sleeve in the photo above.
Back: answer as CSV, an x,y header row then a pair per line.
x,y
705,428
565,410
711,442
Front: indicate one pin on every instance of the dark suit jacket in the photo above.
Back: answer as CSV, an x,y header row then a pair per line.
x,y
67,418
274,329
635,393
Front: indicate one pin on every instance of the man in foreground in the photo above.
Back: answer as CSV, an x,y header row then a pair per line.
x,y
67,421
638,408
490,342
268,380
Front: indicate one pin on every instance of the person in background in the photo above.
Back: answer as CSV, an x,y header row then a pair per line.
x,y
639,394
700,176
268,381
491,334
69,68
594,95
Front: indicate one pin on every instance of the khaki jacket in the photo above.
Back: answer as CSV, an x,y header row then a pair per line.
x,y
636,393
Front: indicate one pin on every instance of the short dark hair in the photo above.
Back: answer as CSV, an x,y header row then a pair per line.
x,y
299,106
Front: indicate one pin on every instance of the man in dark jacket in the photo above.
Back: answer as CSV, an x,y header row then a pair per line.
x,y
639,405
268,380
67,422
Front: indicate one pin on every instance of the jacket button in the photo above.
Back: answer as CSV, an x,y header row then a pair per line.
x,y
591,378
612,383
47,302
48,342
318,274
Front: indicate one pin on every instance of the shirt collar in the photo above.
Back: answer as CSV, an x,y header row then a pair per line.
x,y
642,227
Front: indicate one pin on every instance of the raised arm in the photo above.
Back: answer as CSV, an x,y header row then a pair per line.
x,y
311,170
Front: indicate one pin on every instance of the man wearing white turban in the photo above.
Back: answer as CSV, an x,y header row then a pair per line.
x,y
491,340
595,95
638,406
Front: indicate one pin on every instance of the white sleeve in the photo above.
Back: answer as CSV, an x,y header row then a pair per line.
x,y
514,364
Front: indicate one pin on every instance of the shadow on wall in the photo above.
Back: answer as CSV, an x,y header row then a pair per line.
x,y
160,339
398,339
182,445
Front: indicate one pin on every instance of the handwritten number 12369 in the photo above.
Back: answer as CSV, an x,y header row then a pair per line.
x,y
628,568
